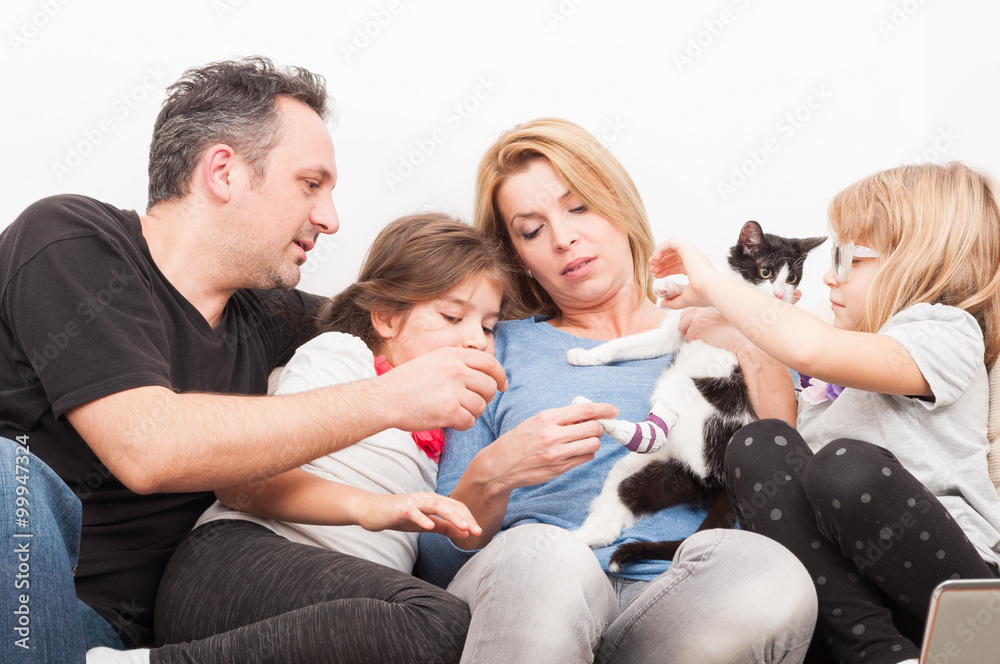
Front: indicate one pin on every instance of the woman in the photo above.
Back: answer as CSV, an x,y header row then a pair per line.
x,y
570,218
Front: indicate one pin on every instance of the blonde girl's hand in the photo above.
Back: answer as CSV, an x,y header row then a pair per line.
x,y
417,513
678,257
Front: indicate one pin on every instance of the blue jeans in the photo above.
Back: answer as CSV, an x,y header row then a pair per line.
x,y
43,621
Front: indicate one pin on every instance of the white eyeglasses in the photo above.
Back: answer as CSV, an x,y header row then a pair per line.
x,y
843,254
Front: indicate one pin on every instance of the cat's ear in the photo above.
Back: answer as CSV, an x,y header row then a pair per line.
x,y
751,238
807,244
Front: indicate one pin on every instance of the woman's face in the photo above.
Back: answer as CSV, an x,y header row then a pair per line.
x,y
579,257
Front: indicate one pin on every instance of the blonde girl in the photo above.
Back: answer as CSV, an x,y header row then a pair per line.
x,y
882,489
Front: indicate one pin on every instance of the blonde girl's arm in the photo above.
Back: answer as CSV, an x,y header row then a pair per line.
x,y
298,496
789,334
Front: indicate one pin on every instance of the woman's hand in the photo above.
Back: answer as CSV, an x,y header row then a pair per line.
x,y
540,448
768,381
711,327
678,257
417,513
548,444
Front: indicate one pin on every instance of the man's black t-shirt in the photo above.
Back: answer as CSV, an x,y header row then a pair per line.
x,y
84,313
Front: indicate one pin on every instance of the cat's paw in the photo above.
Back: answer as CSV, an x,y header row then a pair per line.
x,y
666,289
582,357
597,535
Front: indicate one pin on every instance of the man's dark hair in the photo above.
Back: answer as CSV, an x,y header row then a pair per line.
x,y
231,102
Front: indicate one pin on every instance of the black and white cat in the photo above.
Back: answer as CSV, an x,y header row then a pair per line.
x,y
699,402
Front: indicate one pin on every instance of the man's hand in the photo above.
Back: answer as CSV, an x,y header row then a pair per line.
x,y
449,387
155,440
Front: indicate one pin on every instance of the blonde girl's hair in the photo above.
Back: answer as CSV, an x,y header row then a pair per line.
x,y
415,259
590,171
937,231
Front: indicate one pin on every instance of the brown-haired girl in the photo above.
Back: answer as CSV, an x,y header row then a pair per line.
x,y
318,560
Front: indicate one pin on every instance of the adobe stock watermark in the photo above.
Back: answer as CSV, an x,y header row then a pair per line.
x,y
33,23
324,249
21,545
784,130
561,13
766,491
611,130
900,15
452,119
888,536
966,632
153,79
85,313
943,141
225,7
711,30
364,34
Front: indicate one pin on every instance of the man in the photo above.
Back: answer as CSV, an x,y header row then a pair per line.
x,y
126,343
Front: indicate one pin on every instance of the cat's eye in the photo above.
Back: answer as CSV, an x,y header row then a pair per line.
x,y
792,279
765,273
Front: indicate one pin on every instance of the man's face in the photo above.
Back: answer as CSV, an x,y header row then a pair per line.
x,y
278,218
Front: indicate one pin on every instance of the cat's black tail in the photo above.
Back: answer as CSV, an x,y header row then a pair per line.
x,y
633,551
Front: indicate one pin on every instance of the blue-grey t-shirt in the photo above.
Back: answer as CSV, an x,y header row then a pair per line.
x,y
533,354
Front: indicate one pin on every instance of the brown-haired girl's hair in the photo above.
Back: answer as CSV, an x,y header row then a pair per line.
x,y
937,231
415,259
590,171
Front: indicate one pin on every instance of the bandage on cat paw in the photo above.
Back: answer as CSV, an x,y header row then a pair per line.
x,y
649,436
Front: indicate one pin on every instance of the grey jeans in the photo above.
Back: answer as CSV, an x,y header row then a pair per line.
x,y
537,594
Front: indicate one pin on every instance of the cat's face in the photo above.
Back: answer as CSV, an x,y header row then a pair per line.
x,y
771,264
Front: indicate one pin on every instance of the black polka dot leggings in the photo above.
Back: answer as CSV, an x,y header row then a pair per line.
x,y
875,541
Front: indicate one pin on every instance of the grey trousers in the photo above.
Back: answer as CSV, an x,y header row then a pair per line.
x,y
537,594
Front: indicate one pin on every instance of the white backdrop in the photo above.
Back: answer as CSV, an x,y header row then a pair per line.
x,y
722,111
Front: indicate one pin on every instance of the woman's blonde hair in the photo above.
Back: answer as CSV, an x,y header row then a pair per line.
x,y
415,259
590,171
937,231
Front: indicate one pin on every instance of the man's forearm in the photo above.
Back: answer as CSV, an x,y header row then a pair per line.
x,y
203,442
155,440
